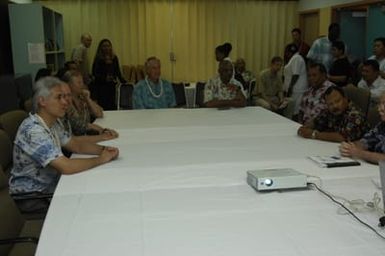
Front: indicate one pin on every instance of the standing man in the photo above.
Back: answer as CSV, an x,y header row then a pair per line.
x,y
153,92
80,56
341,69
379,54
224,91
321,50
303,47
313,100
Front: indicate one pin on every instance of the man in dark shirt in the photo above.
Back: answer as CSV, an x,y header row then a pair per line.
x,y
341,69
341,121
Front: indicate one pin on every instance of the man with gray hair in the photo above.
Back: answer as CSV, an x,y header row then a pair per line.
x,y
153,92
224,91
38,158
80,56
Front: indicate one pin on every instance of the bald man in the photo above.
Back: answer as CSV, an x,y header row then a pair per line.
x,y
79,56
224,91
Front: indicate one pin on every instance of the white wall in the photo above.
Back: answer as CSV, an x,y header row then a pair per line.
x,y
304,5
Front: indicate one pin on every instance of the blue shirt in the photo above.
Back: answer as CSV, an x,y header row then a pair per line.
x,y
148,95
374,140
321,52
35,147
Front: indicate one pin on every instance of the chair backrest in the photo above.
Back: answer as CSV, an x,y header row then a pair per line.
x,y
252,85
24,87
126,91
6,152
11,221
200,88
8,97
180,96
11,120
359,96
373,117
140,72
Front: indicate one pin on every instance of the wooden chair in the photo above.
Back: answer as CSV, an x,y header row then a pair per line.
x,y
126,91
17,236
200,88
11,120
180,96
6,152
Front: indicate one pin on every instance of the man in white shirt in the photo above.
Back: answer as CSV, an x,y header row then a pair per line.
x,y
379,54
372,81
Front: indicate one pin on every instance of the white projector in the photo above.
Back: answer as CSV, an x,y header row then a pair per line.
x,y
272,179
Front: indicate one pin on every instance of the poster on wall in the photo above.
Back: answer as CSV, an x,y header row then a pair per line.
x,y
36,53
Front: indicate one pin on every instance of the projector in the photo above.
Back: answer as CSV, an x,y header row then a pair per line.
x,y
273,179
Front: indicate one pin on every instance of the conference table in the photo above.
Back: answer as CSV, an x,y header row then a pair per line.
x,y
179,188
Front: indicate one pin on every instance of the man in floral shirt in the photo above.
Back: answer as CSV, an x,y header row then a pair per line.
x,y
224,91
313,102
341,121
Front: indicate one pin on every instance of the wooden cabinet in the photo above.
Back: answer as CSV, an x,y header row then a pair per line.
x,y
37,38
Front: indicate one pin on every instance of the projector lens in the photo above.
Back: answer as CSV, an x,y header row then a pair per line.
x,y
268,182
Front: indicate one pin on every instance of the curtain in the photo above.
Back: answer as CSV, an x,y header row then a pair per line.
x,y
190,29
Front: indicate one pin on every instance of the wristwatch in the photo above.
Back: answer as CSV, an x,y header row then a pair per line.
x,y
314,134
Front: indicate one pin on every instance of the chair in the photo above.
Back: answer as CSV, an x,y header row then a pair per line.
x,y
373,117
11,121
126,72
24,88
359,96
140,73
8,97
126,91
6,152
250,92
200,88
180,96
17,236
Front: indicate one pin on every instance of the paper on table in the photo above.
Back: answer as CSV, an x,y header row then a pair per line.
x,y
334,161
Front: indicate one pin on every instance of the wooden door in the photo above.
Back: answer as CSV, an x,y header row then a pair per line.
x,y
309,25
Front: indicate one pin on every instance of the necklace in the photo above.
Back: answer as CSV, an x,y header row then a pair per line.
x,y
151,91
52,134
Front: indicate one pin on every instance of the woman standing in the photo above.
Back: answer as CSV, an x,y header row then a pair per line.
x,y
106,71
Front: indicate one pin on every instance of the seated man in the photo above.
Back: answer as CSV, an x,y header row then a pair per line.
x,y
241,74
38,158
341,121
313,102
372,80
224,91
153,92
371,147
271,87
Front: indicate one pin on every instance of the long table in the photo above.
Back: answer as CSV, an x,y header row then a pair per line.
x,y
179,188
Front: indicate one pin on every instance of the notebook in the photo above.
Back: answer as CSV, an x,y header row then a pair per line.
x,y
334,161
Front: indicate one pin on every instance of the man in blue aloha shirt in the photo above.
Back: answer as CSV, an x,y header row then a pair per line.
x,y
153,92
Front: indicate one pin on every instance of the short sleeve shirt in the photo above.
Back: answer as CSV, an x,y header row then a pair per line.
x,y
313,102
374,140
215,89
148,95
350,124
35,147
270,84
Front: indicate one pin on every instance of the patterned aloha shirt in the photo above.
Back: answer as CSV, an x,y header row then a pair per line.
x,y
313,102
216,90
161,95
79,117
321,52
350,124
34,148
374,140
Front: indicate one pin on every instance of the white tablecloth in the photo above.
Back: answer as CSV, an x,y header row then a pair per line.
x,y
179,188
